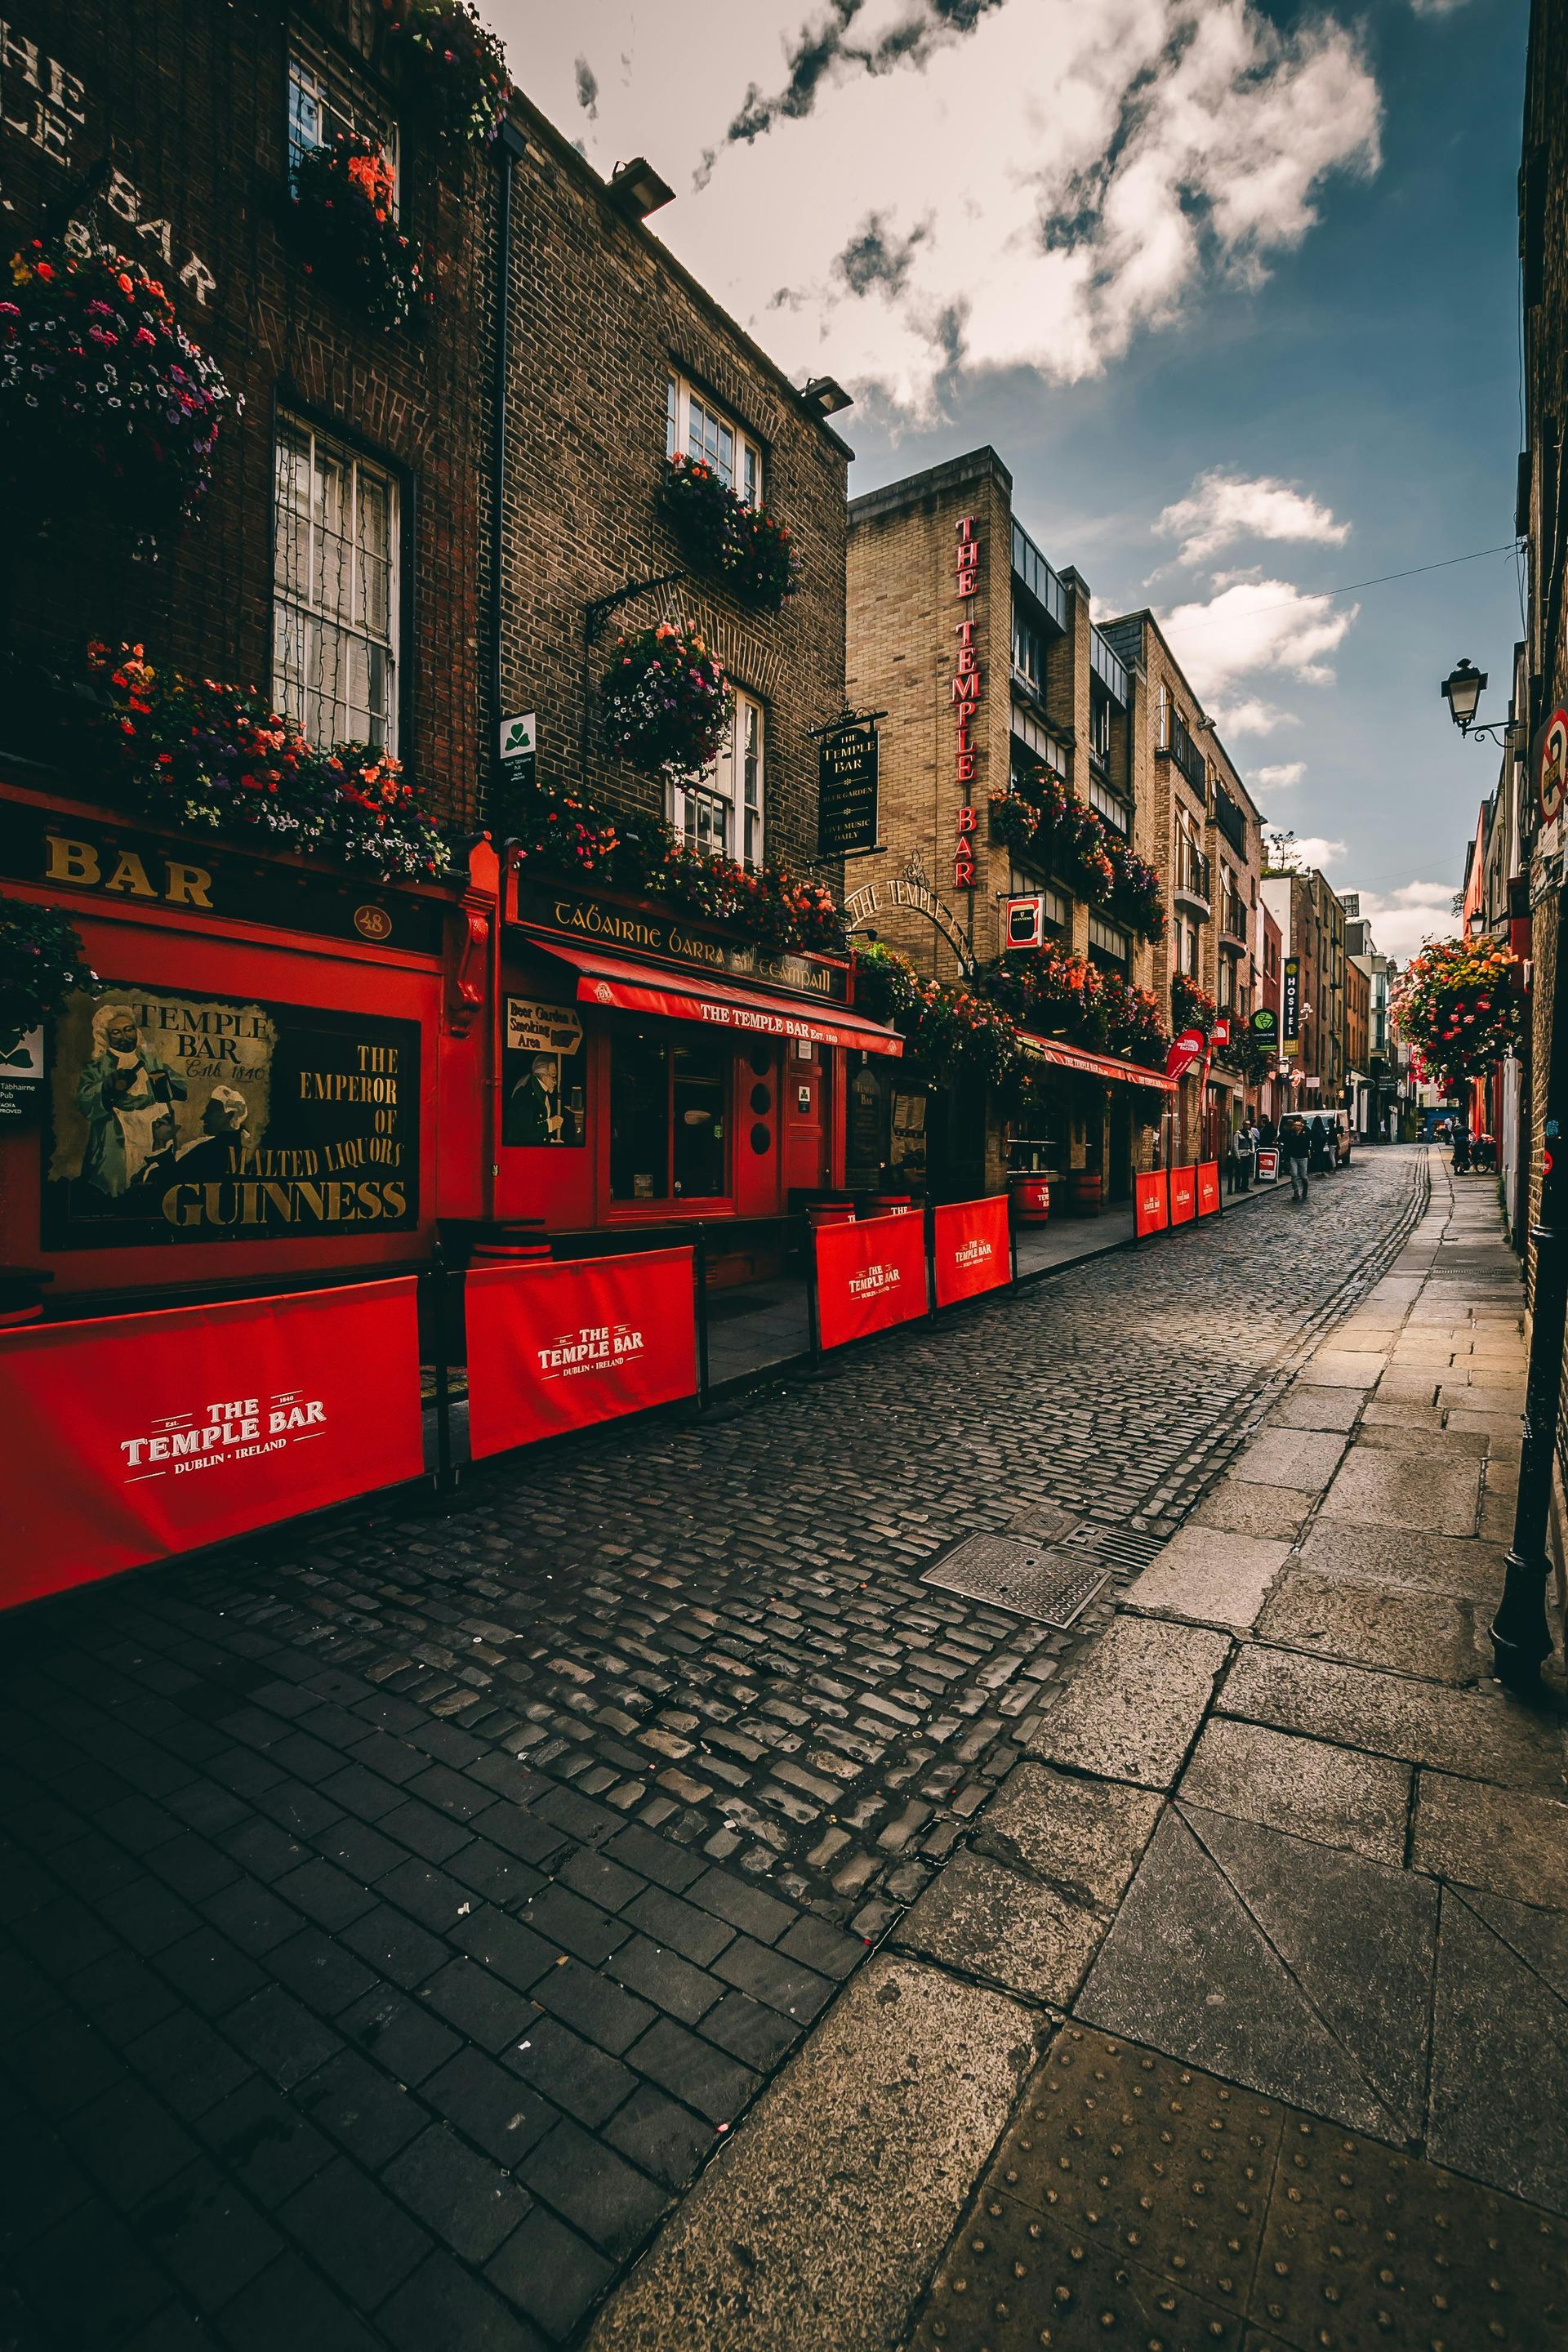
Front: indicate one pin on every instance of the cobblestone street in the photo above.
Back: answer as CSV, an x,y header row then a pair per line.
x,y
397,1913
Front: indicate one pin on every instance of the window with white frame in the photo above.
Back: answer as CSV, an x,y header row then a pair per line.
x,y
1186,947
694,426
1037,739
720,813
324,98
335,589
1057,909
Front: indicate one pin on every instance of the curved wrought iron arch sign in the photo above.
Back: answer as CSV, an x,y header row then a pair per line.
x,y
900,890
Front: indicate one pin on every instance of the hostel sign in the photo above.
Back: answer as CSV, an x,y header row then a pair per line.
x,y
1290,1006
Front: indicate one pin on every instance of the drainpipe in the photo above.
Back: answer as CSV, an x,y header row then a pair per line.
x,y
511,147
1521,1638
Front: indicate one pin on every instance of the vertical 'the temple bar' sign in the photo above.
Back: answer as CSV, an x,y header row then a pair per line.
x,y
965,697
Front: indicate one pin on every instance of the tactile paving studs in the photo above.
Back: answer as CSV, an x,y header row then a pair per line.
x,y
1366,2246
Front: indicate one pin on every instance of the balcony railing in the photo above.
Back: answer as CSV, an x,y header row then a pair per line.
x,y
1180,747
1193,882
1230,819
1233,920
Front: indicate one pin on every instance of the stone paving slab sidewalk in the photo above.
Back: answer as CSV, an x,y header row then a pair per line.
x,y
1281,1900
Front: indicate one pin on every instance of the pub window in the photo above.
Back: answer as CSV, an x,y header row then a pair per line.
x,y
1056,908
668,1118
323,99
720,813
335,590
1098,721
695,427
1032,742
1109,939
1112,810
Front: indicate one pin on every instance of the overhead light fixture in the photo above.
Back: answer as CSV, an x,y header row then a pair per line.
x,y
827,395
637,189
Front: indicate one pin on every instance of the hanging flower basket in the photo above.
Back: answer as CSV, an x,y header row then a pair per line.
x,y
41,961
666,703
458,73
347,233
201,757
1459,1005
1191,1007
1014,824
745,547
103,397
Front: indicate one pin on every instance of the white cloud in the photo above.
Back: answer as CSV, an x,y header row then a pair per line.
x,y
1221,508
1402,921
1280,778
1250,716
1047,179
1256,626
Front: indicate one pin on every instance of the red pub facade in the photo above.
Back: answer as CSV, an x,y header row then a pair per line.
x,y
295,1074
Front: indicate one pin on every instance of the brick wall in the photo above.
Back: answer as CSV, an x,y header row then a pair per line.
x,y
600,313
181,106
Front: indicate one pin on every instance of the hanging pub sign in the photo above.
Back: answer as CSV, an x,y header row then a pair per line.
x,y
1265,1026
1290,1002
175,1117
517,748
846,785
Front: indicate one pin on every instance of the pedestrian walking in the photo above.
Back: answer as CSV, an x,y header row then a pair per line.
x,y
1244,1148
1297,1147
1319,1147
1461,1148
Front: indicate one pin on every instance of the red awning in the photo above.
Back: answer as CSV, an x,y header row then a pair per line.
x,y
623,986
1094,1065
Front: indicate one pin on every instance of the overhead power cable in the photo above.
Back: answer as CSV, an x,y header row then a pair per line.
x,y
1307,595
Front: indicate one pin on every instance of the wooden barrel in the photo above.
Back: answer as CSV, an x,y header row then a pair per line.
x,y
891,1204
831,1213
1031,1198
1083,1192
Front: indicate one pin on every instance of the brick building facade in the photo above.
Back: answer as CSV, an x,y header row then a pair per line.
x,y
169,132
1206,838
985,658
608,337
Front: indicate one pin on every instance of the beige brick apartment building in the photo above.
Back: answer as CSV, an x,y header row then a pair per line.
x,y
985,659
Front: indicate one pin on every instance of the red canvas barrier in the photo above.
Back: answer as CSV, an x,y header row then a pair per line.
x,y
1208,1188
869,1276
560,1346
971,1248
1151,1202
1184,1195
138,1436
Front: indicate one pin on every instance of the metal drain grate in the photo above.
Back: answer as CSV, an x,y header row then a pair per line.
x,y
1124,1547
1030,1580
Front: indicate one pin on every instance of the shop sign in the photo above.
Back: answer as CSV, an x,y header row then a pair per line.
x,y
1265,1027
1184,1195
21,1077
1183,1051
1267,1165
181,1117
846,789
138,1436
1208,1188
1290,1006
517,747
117,866
646,933
533,1027
1151,1202
914,893
965,695
559,1347
971,1248
869,1276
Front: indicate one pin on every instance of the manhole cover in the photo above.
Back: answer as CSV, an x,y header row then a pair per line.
x,y
1031,1580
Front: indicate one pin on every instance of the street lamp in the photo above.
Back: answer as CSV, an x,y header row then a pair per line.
x,y
1477,923
1461,690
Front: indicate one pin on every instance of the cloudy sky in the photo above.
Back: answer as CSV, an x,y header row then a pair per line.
x,y
1231,285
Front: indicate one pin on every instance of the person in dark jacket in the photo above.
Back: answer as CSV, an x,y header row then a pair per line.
x,y
1295,1147
1320,1144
